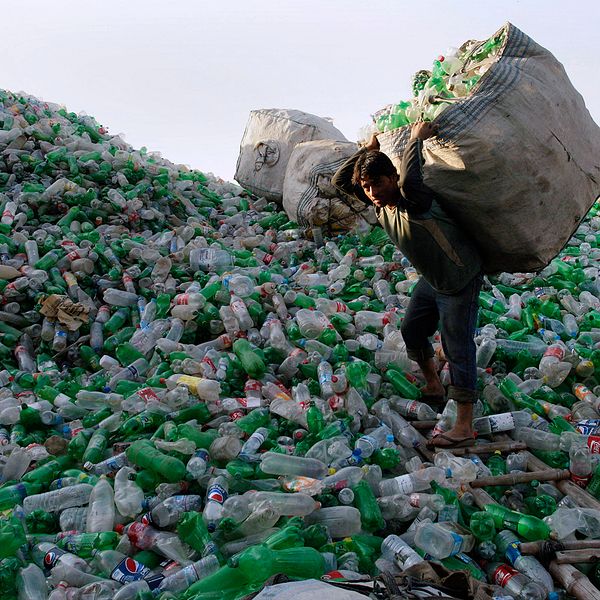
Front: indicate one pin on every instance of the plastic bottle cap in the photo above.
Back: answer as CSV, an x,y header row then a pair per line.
x,y
119,528
389,437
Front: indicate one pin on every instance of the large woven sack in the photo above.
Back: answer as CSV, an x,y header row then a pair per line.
x,y
517,161
268,141
310,199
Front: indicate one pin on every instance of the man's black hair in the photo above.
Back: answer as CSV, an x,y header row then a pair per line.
x,y
372,164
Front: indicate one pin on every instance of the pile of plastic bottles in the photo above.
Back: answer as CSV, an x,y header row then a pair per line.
x,y
194,397
452,77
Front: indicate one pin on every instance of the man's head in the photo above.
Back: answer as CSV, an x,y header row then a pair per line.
x,y
375,173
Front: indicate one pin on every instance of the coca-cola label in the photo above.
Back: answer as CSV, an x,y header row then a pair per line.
x,y
217,493
129,570
593,443
503,574
581,481
236,414
147,394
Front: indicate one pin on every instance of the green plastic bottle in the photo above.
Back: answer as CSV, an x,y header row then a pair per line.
x,y
366,503
144,454
482,525
527,526
252,363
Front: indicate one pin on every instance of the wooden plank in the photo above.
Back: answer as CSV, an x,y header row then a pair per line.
x,y
569,557
536,547
574,581
547,474
490,448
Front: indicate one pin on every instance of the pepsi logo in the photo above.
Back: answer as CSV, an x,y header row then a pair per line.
x,y
216,497
131,565
50,559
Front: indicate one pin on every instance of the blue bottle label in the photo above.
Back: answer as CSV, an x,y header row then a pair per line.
x,y
129,570
457,543
217,493
512,552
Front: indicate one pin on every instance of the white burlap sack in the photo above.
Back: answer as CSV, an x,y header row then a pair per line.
x,y
518,161
268,142
310,199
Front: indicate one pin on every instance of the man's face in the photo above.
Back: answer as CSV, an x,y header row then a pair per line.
x,y
381,190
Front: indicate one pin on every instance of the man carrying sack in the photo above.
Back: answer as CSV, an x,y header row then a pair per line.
x,y
447,294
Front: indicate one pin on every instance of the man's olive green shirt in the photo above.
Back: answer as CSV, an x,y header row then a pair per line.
x,y
438,249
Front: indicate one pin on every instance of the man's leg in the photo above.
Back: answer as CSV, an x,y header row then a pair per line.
x,y
458,318
420,322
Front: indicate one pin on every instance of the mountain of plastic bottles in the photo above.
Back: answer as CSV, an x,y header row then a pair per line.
x,y
195,397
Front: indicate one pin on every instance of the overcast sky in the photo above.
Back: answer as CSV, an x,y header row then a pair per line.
x,y
181,77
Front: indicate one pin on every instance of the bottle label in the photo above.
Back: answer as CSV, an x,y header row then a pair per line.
x,y
369,439
512,552
581,481
502,422
503,574
403,554
129,570
147,394
217,493
190,382
593,443
588,426
405,484
154,581
51,558
457,543
556,351
414,500
147,519
300,483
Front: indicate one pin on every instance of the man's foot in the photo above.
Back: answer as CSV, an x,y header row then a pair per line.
x,y
451,439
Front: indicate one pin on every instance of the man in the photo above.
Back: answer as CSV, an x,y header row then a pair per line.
x,y
450,266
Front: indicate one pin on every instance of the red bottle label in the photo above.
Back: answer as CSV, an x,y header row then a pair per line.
x,y
503,574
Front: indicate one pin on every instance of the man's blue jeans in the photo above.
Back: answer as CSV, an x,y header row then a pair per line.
x,y
456,317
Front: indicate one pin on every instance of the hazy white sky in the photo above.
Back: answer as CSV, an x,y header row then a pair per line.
x,y
181,76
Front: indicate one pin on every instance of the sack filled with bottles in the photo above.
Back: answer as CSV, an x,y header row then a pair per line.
x,y
516,156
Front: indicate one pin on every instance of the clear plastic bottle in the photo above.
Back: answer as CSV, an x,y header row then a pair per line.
x,y
516,584
31,583
57,500
412,482
508,544
101,509
185,577
442,542
397,550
